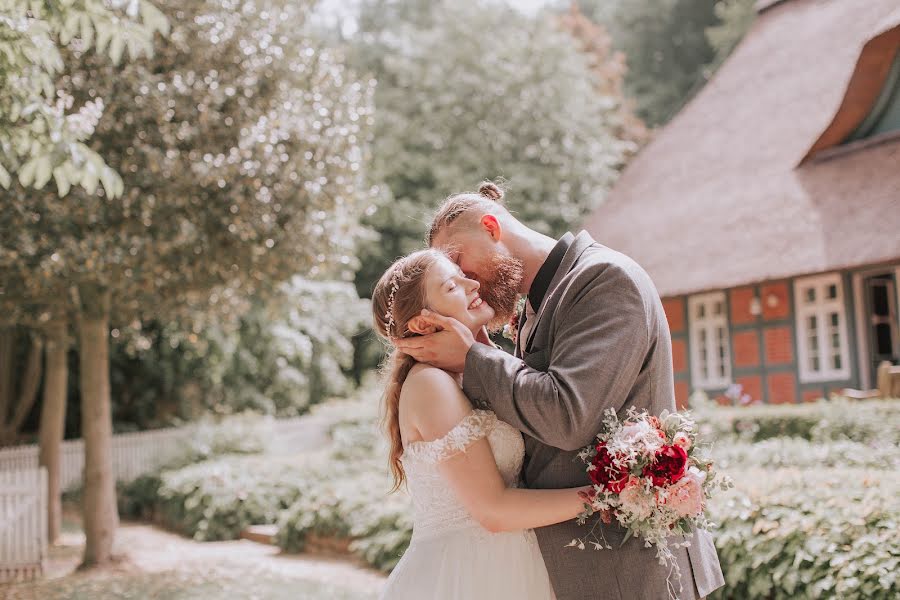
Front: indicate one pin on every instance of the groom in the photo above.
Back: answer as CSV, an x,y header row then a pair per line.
x,y
593,336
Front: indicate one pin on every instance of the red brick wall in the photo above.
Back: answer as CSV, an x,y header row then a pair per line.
x,y
812,395
781,388
746,348
779,345
674,308
762,346
682,392
740,305
752,385
779,293
679,356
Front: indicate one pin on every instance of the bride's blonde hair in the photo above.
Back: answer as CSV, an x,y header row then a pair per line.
x,y
398,297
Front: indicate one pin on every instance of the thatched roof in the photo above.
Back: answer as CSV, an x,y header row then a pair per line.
x,y
720,197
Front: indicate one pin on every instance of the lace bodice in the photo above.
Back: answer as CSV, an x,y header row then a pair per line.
x,y
437,510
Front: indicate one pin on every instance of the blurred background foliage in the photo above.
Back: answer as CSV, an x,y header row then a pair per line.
x,y
237,174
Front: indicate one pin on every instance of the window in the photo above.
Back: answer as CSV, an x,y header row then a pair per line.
x,y
821,329
710,353
885,114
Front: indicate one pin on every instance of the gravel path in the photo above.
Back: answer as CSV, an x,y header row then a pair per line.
x,y
156,564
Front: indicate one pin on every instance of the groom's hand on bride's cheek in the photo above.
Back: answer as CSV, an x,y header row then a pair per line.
x,y
445,349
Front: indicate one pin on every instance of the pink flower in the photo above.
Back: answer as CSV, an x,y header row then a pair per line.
x,y
682,439
686,496
637,502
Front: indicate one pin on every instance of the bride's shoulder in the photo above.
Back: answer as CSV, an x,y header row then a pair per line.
x,y
434,381
432,399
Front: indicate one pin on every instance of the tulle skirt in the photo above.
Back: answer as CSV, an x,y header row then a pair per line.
x,y
471,564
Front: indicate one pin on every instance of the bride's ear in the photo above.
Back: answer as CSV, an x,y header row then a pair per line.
x,y
421,325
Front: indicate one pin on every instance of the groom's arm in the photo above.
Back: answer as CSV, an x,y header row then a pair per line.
x,y
600,345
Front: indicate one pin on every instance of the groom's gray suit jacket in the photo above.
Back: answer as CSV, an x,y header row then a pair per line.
x,y
599,340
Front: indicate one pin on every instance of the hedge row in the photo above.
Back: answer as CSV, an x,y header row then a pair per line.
x,y
871,421
812,516
777,453
215,499
815,533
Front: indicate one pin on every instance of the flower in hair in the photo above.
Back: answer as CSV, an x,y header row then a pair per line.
x,y
389,315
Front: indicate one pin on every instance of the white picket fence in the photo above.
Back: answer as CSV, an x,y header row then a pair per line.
x,y
23,523
133,455
23,484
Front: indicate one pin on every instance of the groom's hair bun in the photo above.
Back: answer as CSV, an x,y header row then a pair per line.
x,y
490,190
488,198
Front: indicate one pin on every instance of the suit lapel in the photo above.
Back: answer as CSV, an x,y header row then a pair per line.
x,y
582,242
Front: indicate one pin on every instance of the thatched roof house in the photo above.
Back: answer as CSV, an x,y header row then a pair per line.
x,y
772,203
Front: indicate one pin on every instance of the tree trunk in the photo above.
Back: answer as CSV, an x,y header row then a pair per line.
x,y
101,517
7,368
53,421
14,415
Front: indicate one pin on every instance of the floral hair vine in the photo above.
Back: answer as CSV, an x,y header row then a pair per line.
x,y
389,315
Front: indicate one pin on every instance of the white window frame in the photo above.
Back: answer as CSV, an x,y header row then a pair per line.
x,y
711,325
821,308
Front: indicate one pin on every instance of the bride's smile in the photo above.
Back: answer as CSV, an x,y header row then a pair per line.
x,y
450,293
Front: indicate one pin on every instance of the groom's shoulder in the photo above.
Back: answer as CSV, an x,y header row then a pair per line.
x,y
600,263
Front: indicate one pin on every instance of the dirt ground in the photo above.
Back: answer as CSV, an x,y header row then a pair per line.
x,y
156,564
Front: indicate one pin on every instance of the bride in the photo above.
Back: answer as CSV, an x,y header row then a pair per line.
x,y
472,536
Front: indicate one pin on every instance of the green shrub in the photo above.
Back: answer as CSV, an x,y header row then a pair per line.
x,y
817,533
243,433
216,499
350,503
776,453
812,516
138,498
876,421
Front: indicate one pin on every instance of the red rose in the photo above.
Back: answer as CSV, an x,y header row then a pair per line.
x,y
668,466
605,473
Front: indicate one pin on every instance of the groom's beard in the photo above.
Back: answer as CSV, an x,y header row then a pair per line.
x,y
500,278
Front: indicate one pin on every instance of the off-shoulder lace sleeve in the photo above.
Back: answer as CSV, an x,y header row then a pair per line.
x,y
474,426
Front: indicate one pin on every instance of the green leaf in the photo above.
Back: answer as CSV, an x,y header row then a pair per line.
x,y
62,182
43,172
5,179
26,173
116,46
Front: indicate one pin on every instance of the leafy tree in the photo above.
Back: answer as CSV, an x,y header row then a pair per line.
x,y
294,352
279,358
669,54
476,90
666,48
42,139
39,138
241,146
20,375
735,18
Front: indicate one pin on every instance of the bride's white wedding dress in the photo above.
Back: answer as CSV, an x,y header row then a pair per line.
x,y
451,556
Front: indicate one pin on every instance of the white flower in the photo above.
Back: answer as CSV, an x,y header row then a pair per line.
x,y
682,439
641,434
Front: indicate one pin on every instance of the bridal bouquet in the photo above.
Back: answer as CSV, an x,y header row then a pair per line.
x,y
649,474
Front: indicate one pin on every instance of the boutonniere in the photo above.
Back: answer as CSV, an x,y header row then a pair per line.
x,y
511,329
